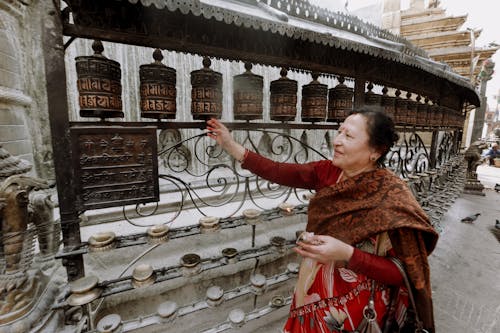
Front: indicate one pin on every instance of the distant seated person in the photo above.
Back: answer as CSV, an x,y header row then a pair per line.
x,y
493,153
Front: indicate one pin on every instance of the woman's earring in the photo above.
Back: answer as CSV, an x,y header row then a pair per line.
x,y
373,158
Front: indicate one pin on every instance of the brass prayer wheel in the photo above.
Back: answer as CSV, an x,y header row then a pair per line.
x,y
283,98
340,101
314,100
206,93
445,111
157,89
435,115
248,95
458,118
388,103
401,109
372,98
99,85
411,107
422,110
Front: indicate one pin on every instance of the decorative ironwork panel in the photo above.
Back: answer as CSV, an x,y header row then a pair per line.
x,y
114,166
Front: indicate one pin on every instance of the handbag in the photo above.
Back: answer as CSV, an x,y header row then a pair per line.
x,y
369,322
412,323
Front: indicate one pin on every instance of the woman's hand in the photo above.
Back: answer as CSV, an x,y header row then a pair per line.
x,y
220,133
325,249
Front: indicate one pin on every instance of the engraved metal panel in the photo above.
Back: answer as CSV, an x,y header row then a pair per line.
x,y
114,166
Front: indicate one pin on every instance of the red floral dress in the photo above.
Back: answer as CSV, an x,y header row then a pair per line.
x,y
331,299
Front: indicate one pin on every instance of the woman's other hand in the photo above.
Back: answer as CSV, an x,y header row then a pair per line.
x,y
220,133
325,249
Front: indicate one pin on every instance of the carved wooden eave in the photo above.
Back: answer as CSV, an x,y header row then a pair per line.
x,y
443,39
459,58
297,35
463,52
426,25
412,13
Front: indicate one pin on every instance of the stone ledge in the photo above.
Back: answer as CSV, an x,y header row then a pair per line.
x,y
14,96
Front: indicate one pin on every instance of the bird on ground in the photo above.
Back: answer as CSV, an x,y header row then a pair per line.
x,y
497,224
497,187
470,219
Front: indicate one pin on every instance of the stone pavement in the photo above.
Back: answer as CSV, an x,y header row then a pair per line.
x,y
488,175
465,267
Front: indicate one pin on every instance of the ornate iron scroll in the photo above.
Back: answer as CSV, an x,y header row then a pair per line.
x,y
410,156
445,148
198,175
114,166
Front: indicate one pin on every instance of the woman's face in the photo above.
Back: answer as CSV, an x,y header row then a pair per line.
x,y
351,149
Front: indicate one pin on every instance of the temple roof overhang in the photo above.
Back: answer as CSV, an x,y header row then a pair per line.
x,y
443,39
412,13
297,35
430,24
463,52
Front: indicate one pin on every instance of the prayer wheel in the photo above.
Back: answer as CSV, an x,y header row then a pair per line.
x,y
435,115
206,93
422,110
401,109
99,85
388,103
340,101
248,95
372,98
283,98
411,108
447,116
157,89
314,100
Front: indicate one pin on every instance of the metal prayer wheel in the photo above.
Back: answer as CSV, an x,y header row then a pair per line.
x,y
314,100
458,119
157,88
206,93
448,117
283,98
440,116
453,118
340,101
422,111
388,103
248,95
99,85
372,98
434,115
411,107
401,109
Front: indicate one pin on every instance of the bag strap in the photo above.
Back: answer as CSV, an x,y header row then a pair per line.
x,y
418,322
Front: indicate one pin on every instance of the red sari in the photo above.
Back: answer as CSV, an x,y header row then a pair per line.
x,y
331,299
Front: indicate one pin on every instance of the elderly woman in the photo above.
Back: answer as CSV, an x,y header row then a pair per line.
x,y
361,214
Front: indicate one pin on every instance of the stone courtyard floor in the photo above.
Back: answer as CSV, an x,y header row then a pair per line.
x,y
465,267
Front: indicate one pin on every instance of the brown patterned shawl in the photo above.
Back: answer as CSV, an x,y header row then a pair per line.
x,y
374,202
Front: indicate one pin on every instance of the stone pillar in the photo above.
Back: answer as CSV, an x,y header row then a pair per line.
x,y
14,135
485,75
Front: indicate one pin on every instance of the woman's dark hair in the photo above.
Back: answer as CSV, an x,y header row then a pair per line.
x,y
381,132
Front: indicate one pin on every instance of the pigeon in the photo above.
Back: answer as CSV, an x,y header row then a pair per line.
x,y
497,224
470,219
497,188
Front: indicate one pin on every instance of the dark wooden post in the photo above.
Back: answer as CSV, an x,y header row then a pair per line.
x,y
433,152
53,55
359,92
